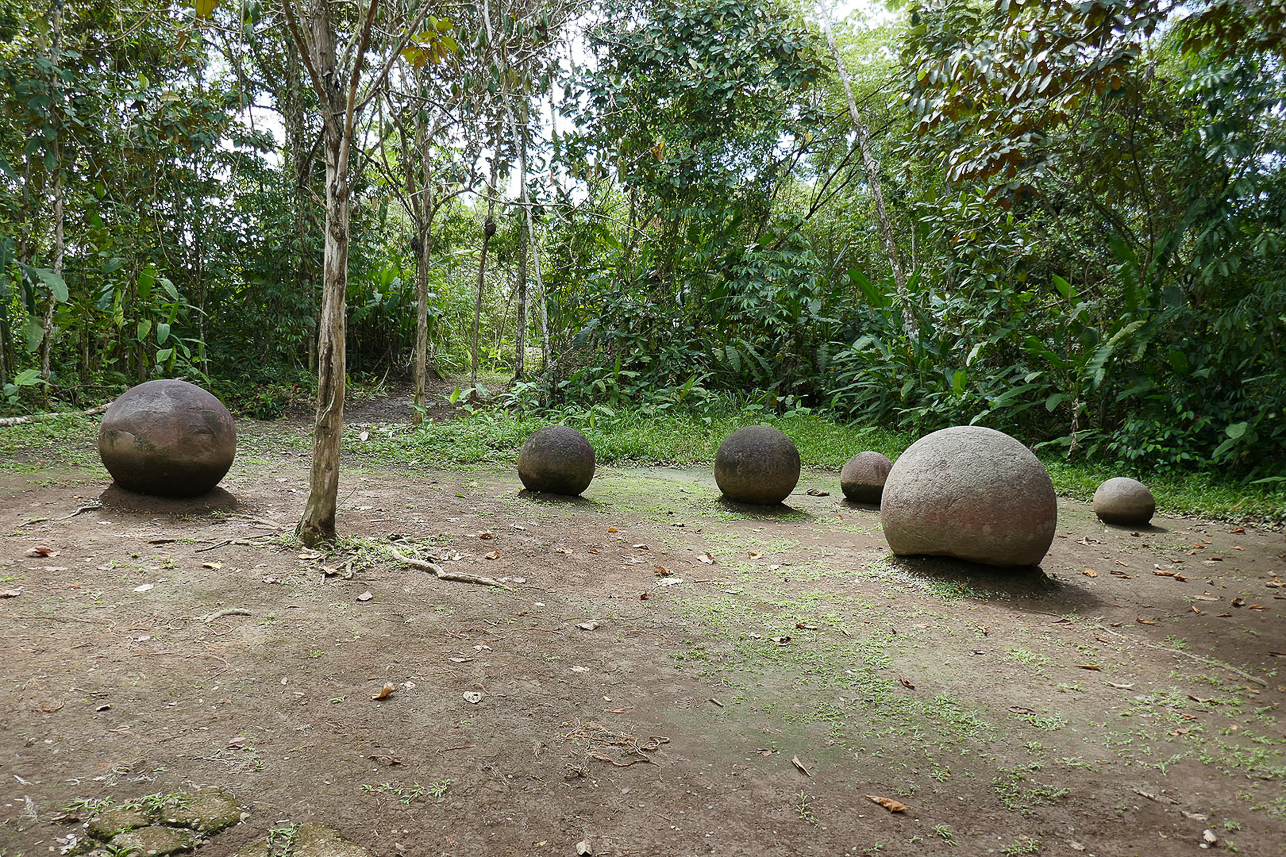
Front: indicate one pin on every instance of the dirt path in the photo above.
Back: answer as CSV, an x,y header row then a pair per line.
x,y
745,701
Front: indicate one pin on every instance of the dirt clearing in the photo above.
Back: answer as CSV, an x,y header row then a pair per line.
x,y
664,674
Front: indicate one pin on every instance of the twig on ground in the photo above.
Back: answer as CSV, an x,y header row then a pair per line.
x,y
88,507
1220,665
231,611
442,574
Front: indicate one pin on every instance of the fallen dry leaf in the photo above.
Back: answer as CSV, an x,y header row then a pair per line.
x,y
1164,573
613,530
486,534
640,546
781,641
817,492
888,803
493,555
662,571
643,596
706,559
1094,667
386,691
1145,621
906,682
472,697
1256,607
1237,530
794,760
1089,572
561,550
214,565
593,550
588,626
763,751
755,554
1238,602
801,626
10,593
42,550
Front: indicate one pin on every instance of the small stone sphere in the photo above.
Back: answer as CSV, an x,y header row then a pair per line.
x,y
862,479
556,459
757,464
1122,500
972,493
167,438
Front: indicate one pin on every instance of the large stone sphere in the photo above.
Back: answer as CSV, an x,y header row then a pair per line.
x,y
556,459
757,464
863,477
167,438
1122,500
972,493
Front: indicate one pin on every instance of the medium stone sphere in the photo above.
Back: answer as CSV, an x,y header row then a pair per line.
x,y
1122,500
168,439
862,479
556,459
757,464
972,493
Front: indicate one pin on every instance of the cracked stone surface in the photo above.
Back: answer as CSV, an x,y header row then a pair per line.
x,y
116,821
208,811
155,841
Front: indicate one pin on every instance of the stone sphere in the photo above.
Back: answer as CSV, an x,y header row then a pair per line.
x,y
556,459
972,493
757,464
862,479
1122,500
168,439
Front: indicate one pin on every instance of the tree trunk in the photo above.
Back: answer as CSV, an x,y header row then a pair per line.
x,y
318,523
872,168
488,229
520,331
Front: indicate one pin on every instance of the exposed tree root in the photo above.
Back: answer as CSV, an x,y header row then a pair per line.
x,y
442,574
31,418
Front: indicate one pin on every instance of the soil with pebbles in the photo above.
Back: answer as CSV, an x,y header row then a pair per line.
x,y
664,673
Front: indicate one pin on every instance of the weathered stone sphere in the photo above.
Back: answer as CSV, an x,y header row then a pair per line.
x,y
1122,500
168,439
862,479
972,493
757,464
556,459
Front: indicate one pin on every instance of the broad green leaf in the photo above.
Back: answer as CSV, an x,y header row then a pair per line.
x,y
1236,430
144,328
205,8
57,285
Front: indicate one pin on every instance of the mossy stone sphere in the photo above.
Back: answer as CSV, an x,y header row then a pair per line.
x,y
1122,500
556,459
757,464
168,439
863,476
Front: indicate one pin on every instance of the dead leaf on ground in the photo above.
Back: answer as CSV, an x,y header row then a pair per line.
x,y
1237,530
643,596
763,751
1119,686
705,558
801,626
781,641
1089,572
1238,602
214,565
493,555
817,492
888,803
906,682
794,760
755,554
472,697
561,550
613,530
486,534
1142,621
1094,667
42,550
588,626
640,546
591,550
10,593
386,691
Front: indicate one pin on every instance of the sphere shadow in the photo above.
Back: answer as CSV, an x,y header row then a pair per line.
x,y
1135,528
859,506
551,499
215,500
754,510
1023,587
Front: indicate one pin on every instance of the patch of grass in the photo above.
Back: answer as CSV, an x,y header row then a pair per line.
x,y
408,794
804,808
1015,788
1023,845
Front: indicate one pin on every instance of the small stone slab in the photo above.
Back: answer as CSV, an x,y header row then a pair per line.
x,y
206,811
155,841
318,840
115,821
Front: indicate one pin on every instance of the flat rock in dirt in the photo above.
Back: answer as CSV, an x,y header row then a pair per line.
x,y
972,493
207,811
318,840
115,821
155,841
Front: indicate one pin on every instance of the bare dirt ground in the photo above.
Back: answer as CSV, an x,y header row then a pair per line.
x,y
664,675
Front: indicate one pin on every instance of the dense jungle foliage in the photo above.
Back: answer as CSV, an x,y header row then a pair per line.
x,y
1086,196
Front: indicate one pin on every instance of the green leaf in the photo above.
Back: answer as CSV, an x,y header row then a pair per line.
x,y
144,328
164,354
1064,287
28,378
146,278
162,333
1236,430
57,285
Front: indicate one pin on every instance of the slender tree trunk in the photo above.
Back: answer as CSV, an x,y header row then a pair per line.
x,y
423,211
488,229
872,169
520,331
46,344
318,523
